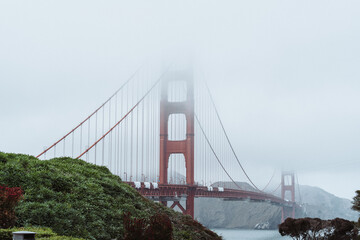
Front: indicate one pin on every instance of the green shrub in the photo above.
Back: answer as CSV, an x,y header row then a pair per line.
x,y
6,234
59,238
71,197
41,234
9,198
183,235
79,199
3,157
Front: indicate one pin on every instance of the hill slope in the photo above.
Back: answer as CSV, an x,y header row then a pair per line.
x,y
324,205
79,199
216,213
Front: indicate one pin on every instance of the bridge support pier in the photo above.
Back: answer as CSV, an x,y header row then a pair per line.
x,y
190,205
287,212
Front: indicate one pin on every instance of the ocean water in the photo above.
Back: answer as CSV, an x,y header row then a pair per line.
x,y
238,234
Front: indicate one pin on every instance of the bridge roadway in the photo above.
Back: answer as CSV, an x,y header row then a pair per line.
x,y
174,192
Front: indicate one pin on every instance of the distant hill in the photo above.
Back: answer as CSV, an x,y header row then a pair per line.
x,y
324,205
217,213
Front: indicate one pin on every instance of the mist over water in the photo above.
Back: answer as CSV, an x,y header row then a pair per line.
x,y
240,234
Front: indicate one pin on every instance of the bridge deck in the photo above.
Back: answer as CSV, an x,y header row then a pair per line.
x,y
174,191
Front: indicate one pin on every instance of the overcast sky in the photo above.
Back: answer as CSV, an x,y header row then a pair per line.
x,y
285,75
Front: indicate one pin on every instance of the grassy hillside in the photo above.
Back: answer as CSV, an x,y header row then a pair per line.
x,y
78,199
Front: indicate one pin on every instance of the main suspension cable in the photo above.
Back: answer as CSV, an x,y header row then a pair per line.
x,y
269,181
227,138
274,191
130,111
81,123
212,149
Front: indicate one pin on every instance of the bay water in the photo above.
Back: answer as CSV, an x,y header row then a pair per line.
x,y
240,234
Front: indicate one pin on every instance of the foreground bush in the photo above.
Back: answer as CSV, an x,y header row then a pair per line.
x,y
75,198
158,227
9,198
315,228
41,234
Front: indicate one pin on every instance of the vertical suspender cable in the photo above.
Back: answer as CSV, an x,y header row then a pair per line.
x,y
103,132
176,137
172,137
115,140
102,106
72,145
110,140
126,130
64,147
207,152
131,136
87,155
120,142
154,136
151,127
122,158
142,138
81,138
157,126
298,187
153,157
147,155
228,140
200,136
96,124
125,116
137,139
153,123
214,153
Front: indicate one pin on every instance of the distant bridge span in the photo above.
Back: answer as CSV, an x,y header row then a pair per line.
x,y
174,191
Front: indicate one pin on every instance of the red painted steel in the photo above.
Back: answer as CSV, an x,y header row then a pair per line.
x,y
288,187
130,111
173,191
92,114
185,147
177,203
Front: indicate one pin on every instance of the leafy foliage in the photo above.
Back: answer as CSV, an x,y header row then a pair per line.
x,y
41,234
134,228
9,197
315,228
158,227
79,199
356,201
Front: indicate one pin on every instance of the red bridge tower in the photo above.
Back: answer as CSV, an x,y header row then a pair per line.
x,y
185,147
288,185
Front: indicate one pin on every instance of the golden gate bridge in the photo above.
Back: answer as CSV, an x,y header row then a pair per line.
x,y
162,134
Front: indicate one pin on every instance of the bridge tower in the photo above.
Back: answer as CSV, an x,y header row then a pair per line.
x,y
185,147
288,185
